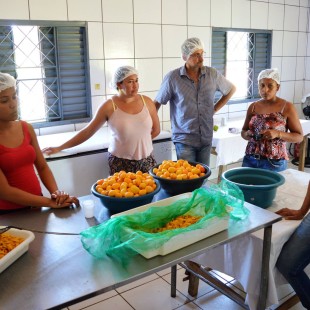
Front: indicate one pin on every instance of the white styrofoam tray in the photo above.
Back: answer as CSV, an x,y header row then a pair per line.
x,y
215,225
23,247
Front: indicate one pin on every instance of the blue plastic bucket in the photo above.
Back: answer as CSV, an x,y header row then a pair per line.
x,y
259,186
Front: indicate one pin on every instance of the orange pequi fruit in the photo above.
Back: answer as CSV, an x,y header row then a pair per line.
x,y
123,184
179,170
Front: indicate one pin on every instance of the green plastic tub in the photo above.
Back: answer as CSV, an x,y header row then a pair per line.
x,y
259,186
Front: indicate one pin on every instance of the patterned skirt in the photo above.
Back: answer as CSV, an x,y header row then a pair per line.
x,y
117,164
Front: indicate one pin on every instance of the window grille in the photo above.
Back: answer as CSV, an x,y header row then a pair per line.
x,y
50,64
240,55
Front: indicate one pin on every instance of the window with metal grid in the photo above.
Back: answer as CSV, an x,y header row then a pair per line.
x,y
50,64
240,55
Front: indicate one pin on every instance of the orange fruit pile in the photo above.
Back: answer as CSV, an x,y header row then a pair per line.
x,y
126,184
179,170
8,243
181,221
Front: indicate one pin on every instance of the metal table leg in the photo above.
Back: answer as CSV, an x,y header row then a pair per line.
x,y
261,305
203,273
173,281
222,168
199,272
302,153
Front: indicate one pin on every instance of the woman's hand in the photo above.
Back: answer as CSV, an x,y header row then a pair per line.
x,y
64,199
60,196
65,203
246,134
270,134
290,214
51,150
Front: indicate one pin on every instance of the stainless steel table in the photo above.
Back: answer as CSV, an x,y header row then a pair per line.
x,y
57,272
244,254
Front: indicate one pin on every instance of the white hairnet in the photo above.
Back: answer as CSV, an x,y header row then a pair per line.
x,y
190,46
269,74
6,81
121,74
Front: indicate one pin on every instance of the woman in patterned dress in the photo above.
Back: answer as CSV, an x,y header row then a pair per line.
x,y
269,124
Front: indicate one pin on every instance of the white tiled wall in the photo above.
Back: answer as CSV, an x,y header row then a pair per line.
x,y
148,34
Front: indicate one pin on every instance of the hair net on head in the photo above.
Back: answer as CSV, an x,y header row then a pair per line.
x,y
6,81
190,46
269,74
121,74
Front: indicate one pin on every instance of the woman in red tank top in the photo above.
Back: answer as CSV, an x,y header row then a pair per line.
x,y
19,154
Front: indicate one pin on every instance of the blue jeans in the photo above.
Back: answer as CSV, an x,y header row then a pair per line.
x,y
294,258
269,164
191,153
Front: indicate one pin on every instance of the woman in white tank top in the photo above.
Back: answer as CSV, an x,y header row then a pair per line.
x,y
133,122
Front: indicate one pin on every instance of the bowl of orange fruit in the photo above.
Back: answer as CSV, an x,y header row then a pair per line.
x,y
123,191
180,176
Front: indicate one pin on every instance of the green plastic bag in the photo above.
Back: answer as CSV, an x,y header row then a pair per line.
x,y
124,236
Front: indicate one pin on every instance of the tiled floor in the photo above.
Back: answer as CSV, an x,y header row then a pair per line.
x,y
153,292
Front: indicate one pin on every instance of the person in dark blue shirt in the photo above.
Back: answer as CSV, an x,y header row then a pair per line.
x,y
295,254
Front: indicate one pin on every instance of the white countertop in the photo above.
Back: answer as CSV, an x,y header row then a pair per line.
x,y
100,140
230,147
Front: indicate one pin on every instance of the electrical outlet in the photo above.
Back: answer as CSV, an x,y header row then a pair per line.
x,y
97,86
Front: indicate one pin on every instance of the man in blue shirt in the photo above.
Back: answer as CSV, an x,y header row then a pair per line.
x,y
190,91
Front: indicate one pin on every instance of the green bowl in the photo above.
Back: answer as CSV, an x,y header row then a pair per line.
x,y
259,186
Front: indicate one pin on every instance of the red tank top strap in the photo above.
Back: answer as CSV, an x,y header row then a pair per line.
x,y
25,130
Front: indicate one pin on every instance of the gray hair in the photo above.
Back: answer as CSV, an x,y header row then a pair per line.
x,y
121,74
190,46
6,81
